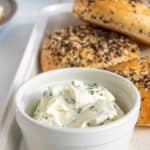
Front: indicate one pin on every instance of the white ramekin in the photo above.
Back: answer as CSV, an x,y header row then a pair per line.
x,y
113,136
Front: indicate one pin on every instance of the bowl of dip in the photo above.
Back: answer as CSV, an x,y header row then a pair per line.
x,y
77,109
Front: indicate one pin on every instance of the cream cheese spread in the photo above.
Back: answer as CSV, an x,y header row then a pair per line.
x,y
77,105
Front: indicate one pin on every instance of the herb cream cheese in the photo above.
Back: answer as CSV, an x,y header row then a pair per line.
x,y
77,105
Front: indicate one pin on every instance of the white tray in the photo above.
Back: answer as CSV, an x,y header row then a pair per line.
x,y
52,18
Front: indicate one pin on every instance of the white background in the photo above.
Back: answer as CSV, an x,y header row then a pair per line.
x,y
14,37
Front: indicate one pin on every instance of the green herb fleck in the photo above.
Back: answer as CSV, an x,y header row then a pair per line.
x,y
70,100
45,117
93,108
102,123
79,110
50,91
92,92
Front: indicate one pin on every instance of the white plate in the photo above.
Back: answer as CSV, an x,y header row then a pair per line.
x,y
52,18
